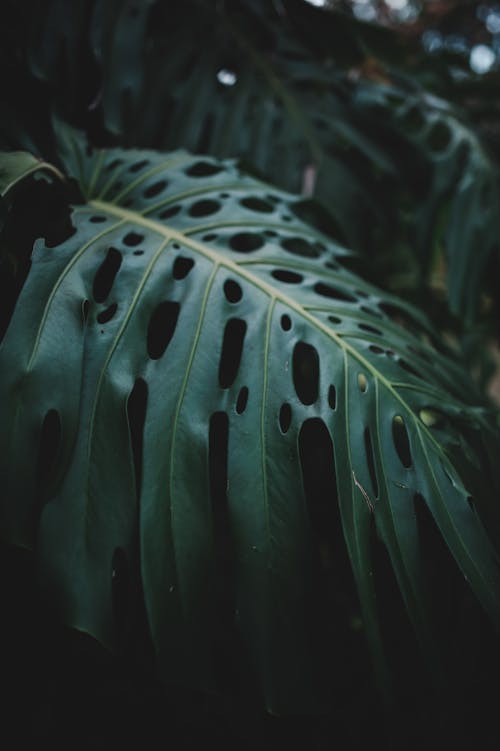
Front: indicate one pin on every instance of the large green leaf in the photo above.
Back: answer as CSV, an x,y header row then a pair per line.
x,y
289,89
193,379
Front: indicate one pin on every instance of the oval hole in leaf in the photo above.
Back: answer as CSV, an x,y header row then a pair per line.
x,y
362,382
289,277
432,419
85,311
136,415
408,368
182,267
286,322
320,486
326,290
120,591
203,169
285,417
138,165
224,586
300,247
113,164
369,329
106,273
257,204
97,219
305,368
332,396
132,239
106,315
204,208
232,348
241,402
232,291
401,441
246,242
169,212
161,328
154,189
376,350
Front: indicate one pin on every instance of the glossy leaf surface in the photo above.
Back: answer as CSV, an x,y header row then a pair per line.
x,y
194,387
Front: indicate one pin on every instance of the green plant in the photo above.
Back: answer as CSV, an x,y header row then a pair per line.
x,y
286,396
202,401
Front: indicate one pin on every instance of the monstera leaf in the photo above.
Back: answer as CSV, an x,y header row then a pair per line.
x,y
196,392
297,91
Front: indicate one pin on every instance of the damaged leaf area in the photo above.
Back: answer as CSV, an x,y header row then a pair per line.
x,y
196,391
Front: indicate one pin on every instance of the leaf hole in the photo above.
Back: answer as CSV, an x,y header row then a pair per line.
x,y
376,350
326,290
203,169
305,368
113,164
97,219
401,441
285,417
257,204
138,253
432,419
169,212
208,238
300,247
154,189
132,239
232,291
319,481
335,320
138,165
182,267
232,349
288,277
286,322
241,402
161,328
204,208
106,274
223,543
369,329
332,396
106,315
408,368
85,311
362,382
246,242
